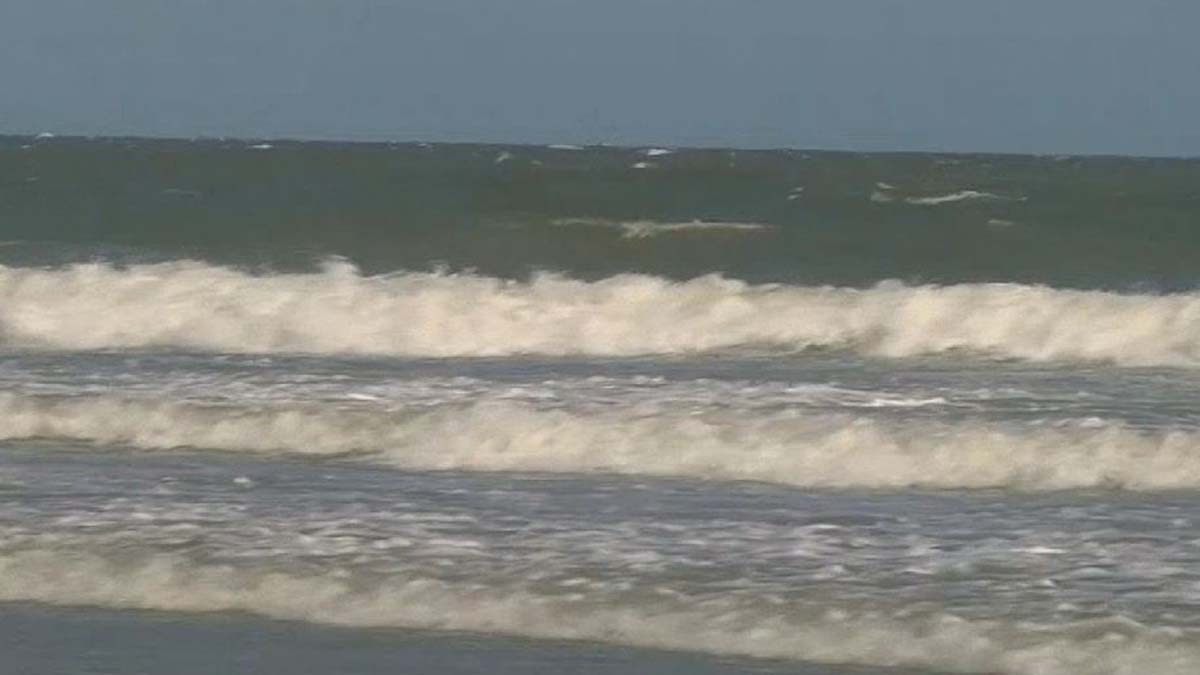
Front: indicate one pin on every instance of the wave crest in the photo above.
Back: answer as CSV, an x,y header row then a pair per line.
x,y
192,305
1111,645
960,196
783,447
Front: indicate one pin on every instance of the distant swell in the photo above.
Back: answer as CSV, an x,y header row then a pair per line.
x,y
1110,645
641,229
783,447
192,305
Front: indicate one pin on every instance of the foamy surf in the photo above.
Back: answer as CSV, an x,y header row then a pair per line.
x,y
196,306
783,447
721,624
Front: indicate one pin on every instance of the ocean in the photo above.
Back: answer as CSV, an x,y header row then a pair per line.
x,y
290,407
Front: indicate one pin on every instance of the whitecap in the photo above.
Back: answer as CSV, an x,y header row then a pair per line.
x,y
830,450
960,196
641,229
194,305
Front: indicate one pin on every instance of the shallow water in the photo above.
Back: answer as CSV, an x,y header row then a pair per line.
x,y
143,643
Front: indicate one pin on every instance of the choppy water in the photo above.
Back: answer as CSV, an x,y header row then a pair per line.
x,y
935,413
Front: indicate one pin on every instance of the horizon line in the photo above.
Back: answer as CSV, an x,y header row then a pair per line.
x,y
333,140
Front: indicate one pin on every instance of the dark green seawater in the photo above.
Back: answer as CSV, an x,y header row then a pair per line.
x,y
1102,222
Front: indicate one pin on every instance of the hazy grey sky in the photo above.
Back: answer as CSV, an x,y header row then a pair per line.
x,y
1052,76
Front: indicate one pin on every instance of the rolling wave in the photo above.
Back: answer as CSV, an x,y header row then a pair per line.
x,y
723,625
784,447
192,305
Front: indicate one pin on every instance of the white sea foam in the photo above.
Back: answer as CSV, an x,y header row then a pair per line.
x,y
727,624
657,152
787,447
961,196
193,305
641,229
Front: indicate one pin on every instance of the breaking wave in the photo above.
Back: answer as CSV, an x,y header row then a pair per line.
x,y
193,305
727,624
784,447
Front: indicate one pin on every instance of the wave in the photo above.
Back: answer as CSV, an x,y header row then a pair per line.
x,y
723,625
960,196
192,305
784,447
641,229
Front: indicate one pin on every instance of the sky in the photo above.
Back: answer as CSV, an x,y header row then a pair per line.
x,y
1025,76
